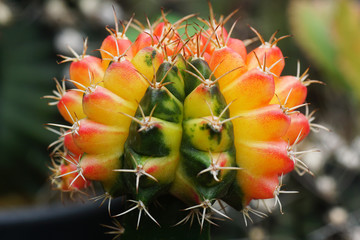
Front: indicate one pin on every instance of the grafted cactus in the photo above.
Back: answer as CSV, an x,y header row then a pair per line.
x,y
192,119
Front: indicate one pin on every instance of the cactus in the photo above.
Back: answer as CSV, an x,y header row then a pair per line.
x,y
191,119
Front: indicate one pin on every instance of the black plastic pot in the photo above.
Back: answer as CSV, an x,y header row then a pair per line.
x,y
65,222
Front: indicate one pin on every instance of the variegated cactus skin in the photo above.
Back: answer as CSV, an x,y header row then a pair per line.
x,y
197,117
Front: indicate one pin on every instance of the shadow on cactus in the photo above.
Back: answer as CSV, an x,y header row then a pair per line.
x,y
181,126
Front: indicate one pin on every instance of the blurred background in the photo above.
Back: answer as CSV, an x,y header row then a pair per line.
x,y
326,37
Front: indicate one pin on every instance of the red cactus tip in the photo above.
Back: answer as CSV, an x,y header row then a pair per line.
x,y
118,57
92,84
262,67
78,169
290,110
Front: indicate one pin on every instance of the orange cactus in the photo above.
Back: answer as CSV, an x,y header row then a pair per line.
x,y
197,117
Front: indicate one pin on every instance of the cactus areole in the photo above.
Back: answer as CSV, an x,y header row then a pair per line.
x,y
196,120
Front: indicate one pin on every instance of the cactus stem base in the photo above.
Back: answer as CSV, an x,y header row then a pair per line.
x,y
166,211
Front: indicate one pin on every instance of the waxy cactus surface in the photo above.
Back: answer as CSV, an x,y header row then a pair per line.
x,y
196,117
